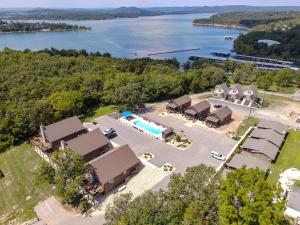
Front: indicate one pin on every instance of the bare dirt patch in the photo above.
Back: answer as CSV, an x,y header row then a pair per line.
x,y
236,120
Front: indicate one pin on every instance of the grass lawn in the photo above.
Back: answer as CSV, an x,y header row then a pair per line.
x,y
18,165
99,111
283,90
252,121
272,100
289,156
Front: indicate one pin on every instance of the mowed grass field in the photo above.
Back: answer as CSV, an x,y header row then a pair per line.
x,y
99,111
18,191
289,156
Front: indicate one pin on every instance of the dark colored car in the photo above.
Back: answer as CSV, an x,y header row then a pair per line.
x,y
217,106
110,133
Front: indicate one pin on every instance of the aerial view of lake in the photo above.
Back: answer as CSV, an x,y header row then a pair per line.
x,y
132,37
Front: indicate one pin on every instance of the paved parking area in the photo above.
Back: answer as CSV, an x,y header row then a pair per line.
x,y
203,142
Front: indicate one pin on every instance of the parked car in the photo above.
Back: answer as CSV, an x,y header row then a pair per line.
x,y
217,106
110,133
218,156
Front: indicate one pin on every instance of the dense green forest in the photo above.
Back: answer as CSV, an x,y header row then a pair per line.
x,y
7,27
199,197
288,49
49,85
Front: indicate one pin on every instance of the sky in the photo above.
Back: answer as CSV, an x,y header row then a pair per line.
x,y
138,3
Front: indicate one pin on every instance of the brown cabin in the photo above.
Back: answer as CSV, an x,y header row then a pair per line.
x,y
113,167
180,104
64,130
198,111
90,145
219,117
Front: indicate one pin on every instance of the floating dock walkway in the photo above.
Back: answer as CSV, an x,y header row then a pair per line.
x,y
183,50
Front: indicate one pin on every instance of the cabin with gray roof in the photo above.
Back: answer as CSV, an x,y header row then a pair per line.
x,y
111,169
248,160
250,93
235,92
90,145
293,203
219,117
179,105
273,125
269,135
198,111
221,91
261,147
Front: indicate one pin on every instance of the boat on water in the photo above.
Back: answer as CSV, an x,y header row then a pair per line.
x,y
228,38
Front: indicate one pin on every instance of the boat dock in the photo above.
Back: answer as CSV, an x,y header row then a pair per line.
x,y
260,62
167,52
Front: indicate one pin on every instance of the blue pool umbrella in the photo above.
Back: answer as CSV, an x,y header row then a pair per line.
x,y
126,113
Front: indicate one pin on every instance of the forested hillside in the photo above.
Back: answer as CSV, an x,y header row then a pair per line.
x,y
46,86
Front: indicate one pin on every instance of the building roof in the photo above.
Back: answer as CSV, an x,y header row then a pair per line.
x,y
63,128
198,108
239,160
113,163
296,94
222,112
276,126
261,146
269,135
236,87
88,142
294,199
223,86
182,100
252,89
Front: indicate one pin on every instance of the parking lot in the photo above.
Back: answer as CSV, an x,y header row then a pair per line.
x,y
203,142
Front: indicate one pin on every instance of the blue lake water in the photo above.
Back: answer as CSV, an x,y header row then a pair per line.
x,y
132,38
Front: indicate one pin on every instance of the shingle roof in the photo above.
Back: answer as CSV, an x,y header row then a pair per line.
x,y
268,134
239,160
294,199
236,87
268,124
113,163
199,107
63,128
261,146
88,142
224,87
182,100
253,89
222,112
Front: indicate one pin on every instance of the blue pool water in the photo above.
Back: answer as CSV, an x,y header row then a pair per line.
x,y
147,127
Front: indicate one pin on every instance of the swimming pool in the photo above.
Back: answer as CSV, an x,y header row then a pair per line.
x,y
148,127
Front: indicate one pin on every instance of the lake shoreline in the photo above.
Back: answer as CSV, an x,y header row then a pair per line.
x,y
41,31
227,26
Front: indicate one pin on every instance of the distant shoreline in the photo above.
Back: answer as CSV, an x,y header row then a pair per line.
x,y
40,31
228,26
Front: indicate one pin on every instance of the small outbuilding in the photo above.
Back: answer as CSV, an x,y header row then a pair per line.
x,y
198,111
167,132
296,95
180,104
219,117
293,204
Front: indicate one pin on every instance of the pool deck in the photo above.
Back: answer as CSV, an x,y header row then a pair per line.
x,y
203,142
